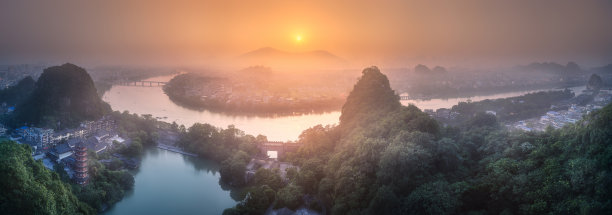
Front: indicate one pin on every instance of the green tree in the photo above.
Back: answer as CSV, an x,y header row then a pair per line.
x,y
29,188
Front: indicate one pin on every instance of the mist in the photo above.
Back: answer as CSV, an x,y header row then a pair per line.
x,y
393,33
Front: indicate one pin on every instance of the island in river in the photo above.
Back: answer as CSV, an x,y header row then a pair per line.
x,y
238,96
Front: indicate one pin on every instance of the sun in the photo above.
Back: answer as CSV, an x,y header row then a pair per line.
x,y
298,38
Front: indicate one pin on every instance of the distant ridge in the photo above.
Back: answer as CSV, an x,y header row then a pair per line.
x,y
275,58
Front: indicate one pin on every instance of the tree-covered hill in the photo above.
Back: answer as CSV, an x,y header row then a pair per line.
x,y
29,188
387,159
64,96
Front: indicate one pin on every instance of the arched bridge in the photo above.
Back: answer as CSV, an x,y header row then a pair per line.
x,y
280,147
143,83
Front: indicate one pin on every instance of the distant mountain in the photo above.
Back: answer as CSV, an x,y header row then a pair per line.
x,y
275,58
64,96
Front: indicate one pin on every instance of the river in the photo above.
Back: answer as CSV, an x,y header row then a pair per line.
x,y
152,100
435,104
171,183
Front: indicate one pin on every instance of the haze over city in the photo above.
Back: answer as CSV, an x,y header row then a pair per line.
x,y
388,34
302,107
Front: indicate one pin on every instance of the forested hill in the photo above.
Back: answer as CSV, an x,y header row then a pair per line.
x,y
30,188
387,159
64,96
371,96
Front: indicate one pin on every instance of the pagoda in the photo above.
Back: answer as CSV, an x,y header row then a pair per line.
x,y
80,166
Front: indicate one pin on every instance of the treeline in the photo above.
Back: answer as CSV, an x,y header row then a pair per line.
x,y
387,159
230,147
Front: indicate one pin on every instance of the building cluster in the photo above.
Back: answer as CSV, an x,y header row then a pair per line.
x,y
44,139
11,74
469,81
558,119
442,114
70,146
241,94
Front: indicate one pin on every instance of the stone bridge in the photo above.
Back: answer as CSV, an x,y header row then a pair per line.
x,y
279,147
142,83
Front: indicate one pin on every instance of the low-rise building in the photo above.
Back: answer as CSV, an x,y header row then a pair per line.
x,y
61,151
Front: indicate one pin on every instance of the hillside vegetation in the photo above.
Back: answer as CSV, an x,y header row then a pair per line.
x,y
30,188
384,158
64,96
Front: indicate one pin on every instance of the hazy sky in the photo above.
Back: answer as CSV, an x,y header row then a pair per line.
x,y
366,32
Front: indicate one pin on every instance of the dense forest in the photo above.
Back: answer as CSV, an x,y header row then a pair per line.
x,y
30,188
64,96
387,159
230,147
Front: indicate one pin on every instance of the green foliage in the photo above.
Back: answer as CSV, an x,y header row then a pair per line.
x,y
64,96
216,143
432,198
134,149
371,94
385,160
29,188
232,169
268,177
289,196
142,129
229,146
482,119
105,187
256,202
388,159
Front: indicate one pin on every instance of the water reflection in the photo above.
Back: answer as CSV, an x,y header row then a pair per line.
x,y
171,183
152,100
435,104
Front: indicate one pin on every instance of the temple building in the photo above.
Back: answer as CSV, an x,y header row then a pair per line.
x,y
80,167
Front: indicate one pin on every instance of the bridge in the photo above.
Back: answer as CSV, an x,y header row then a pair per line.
x,y
143,83
279,147
404,97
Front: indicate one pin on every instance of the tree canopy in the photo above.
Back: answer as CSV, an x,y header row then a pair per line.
x,y
30,188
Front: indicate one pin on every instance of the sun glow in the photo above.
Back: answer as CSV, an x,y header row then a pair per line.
x,y
298,38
